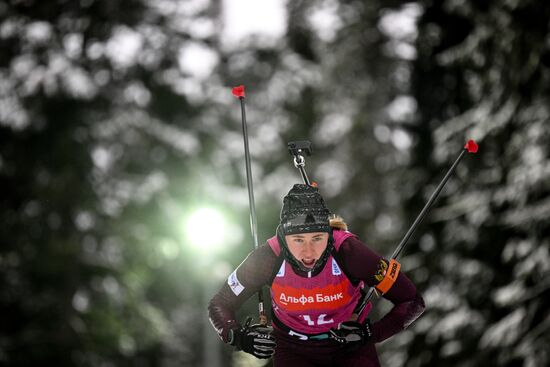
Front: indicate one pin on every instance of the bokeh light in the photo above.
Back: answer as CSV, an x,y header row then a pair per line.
x,y
206,229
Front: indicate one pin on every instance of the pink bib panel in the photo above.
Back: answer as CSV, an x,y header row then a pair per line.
x,y
317,304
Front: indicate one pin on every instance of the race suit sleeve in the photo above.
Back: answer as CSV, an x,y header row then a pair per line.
x,y
249,277
364,264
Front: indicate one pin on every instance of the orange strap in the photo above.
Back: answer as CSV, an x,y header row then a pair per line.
x,y
390,277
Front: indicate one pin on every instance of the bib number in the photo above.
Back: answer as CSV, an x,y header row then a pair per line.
x,y
320,320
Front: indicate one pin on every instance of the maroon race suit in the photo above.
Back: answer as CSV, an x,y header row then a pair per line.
x,y
358,262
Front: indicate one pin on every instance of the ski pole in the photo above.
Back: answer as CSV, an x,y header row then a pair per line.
x,y
470,147
239,93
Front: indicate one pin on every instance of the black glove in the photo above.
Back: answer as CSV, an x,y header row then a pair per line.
x,y
254,339
352,334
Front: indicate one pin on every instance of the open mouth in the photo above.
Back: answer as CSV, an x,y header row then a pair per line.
x,y
309,262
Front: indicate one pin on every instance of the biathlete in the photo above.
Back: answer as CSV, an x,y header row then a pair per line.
x,y
316,270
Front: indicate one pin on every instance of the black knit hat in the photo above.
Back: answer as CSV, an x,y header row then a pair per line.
x,y
304,211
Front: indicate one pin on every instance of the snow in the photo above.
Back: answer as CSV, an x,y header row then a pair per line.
x,y
506,332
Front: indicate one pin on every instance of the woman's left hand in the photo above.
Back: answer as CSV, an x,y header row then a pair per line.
x,y
352,333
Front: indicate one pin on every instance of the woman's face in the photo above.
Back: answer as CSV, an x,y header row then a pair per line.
x,y
307,247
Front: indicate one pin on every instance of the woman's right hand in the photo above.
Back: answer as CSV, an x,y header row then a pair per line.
x,y
254,339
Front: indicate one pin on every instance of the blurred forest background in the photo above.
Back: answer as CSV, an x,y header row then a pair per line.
x,y
117,124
